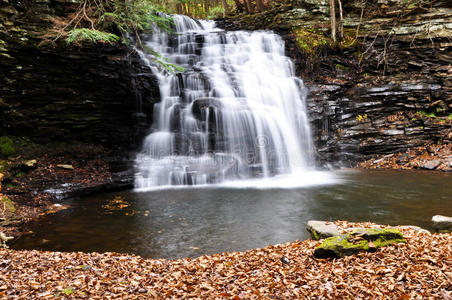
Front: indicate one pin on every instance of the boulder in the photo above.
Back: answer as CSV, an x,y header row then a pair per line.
x,y
321,229
442,223
359,240
431,165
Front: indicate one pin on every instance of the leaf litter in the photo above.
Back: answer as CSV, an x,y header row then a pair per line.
x,y
419,269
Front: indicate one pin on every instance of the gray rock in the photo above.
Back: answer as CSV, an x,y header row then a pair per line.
x,y
431,165
416,228
321,229
4,239
442,223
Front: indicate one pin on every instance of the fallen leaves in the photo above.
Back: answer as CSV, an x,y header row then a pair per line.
x,y
418,269
118,203
414,158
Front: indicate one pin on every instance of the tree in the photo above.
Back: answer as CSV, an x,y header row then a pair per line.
x,y
333,20
260,5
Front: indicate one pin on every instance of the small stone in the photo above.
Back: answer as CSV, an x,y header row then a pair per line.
x,y
442,223
66,167
321,229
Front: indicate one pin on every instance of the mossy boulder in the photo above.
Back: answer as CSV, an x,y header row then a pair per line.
x,y
358,240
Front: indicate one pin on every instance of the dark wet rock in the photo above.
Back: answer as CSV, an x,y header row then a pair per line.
x,y
442,223
96,94
361,107
321,229
356,241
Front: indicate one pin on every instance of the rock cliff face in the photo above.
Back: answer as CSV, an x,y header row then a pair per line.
x,y
96,94
385,88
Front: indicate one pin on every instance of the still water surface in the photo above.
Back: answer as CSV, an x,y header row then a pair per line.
x,y
195,221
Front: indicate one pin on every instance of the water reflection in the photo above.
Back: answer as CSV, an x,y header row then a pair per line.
x,y
192,222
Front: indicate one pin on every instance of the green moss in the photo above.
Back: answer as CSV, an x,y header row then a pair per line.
x,y
6,146
315,235
426,114
359,240
310,40
68,292
8,204
449,117
3,165
342,67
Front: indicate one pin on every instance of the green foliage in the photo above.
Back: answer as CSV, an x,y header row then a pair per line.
x,y
133,16
309,40
426,114
215,12
68,292
6,146
449,117
79,35
163,62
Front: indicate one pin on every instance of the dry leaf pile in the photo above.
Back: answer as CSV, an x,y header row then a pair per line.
x,y
419,269
414,158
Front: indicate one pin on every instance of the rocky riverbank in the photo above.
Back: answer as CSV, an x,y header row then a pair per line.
x,y
420,267
428,157
38,178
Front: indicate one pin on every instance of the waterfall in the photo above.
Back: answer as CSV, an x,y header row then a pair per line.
x,y
236,112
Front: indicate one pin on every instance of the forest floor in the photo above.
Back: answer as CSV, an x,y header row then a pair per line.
x,y
34,183
421,268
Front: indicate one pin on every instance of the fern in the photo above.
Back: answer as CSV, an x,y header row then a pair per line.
x,y
79,35
163,61
134,16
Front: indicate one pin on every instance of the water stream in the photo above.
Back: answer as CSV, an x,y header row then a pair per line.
x,y
195,221
237,112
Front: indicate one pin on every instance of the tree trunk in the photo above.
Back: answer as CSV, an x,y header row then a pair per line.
x,y
260,5
341,21
333,20
239,6
248,6
225,6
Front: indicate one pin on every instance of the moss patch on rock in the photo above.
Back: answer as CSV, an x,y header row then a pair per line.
x,y
6,146
310,40
8,204
358,240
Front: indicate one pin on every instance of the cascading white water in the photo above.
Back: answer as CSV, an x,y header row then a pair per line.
x,y
236,112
